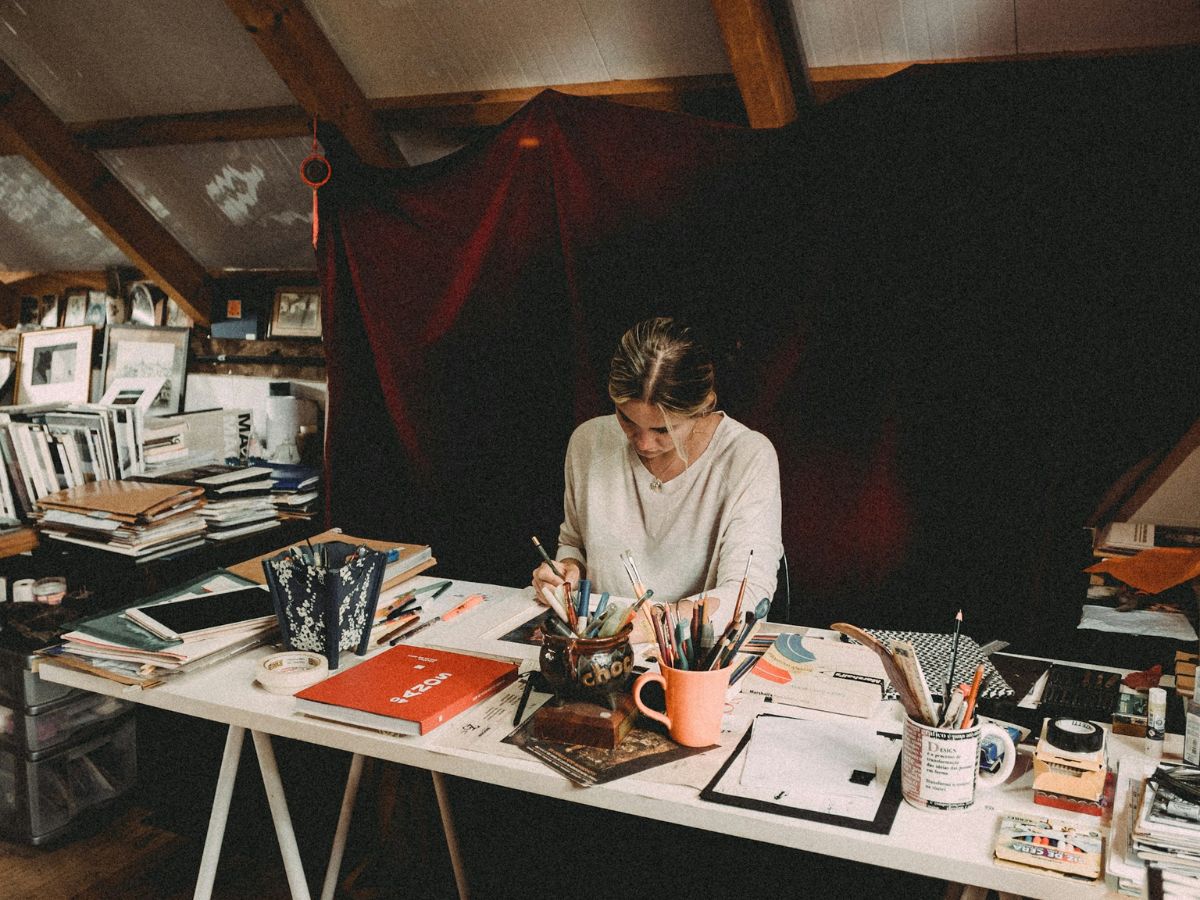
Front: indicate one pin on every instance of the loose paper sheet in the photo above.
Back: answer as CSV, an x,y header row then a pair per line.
x,y
1152,623
789,790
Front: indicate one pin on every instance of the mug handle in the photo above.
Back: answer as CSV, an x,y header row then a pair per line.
x,y
993,779
646,678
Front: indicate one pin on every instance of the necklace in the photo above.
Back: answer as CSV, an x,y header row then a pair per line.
x,y
657,481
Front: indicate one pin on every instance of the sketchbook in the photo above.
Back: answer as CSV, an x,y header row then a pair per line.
x,y
844,772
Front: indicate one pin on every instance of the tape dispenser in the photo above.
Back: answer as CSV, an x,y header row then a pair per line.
x,y
1071,759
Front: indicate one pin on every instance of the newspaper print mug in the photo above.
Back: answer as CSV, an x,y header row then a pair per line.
x,y
940,767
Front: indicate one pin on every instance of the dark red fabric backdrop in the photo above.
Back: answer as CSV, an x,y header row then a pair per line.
x,y
917,292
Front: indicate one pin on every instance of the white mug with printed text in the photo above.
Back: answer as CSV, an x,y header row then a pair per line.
x,y
939,767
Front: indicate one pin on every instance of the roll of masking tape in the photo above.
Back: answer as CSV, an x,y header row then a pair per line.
x,y
22,590
286,673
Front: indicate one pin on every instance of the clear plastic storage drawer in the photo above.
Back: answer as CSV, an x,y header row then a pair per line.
x,y
40,798
57,724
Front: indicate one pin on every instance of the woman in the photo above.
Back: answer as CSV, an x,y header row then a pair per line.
x,y
688,491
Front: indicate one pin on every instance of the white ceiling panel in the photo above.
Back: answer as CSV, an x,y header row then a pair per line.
x,y
237,205
859,32
656,38
397,48
102,59
41,231
1046,26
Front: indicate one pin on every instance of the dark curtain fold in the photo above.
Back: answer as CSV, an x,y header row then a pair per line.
x,y
960,303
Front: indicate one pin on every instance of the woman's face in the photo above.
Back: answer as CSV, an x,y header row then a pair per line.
x,y
646,428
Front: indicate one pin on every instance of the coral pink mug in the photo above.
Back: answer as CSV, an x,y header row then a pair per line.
x,y
695,703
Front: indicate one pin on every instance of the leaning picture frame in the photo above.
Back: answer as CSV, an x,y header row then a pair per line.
x,y
296,312
75,303
141,351
54,365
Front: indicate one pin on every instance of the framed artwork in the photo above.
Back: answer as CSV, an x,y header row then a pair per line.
x,y
75,302
31,310
48,311
140,393
176,317
296,313
139,351
141,305
96,313
54,366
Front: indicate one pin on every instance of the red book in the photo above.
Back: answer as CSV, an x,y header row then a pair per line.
x,y
406,690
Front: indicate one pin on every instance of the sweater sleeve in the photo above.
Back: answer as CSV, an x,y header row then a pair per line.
x,y
570,533
753,523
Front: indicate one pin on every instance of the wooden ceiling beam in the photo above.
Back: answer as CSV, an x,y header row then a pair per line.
x,y
28,125
294,44
466,109
752,44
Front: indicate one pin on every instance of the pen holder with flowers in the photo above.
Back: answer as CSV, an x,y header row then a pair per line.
x,y
325,596
590,669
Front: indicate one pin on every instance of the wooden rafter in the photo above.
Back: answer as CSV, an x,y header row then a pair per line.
x,y
752,44
467,109
294,44
30,127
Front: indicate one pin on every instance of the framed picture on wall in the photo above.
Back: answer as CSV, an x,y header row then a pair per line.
x,y
139,351
54,366
296,313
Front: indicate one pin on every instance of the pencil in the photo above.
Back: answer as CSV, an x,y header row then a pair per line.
x,y
953,662
972,696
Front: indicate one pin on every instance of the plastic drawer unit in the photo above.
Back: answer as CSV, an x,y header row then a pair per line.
x,y
41,798
41,729
20,685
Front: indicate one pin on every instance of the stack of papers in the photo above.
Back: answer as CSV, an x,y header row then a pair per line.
x,y
133,518
1166,837
116,646
237,498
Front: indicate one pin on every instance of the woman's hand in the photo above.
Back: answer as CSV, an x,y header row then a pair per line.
x,y
543,576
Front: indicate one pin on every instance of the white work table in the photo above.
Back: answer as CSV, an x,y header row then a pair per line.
x,y
955,846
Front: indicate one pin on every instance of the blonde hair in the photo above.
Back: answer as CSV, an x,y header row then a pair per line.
x,y
661,362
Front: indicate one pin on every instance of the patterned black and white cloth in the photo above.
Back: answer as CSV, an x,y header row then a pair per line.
x,y
933,651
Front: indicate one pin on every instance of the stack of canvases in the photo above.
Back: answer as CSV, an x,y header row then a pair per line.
x,y
133,518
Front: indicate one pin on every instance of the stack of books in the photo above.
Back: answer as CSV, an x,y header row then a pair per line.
x,y
133,518
204,621
237,498
295,490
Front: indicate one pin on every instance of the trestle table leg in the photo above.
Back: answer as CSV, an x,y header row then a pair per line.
x,y
343,827
220,812
279,813
443,799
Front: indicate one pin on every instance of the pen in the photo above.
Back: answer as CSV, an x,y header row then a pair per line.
x,y
403,610
584,597
438,587
470,603
743,667
524,698
401,624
